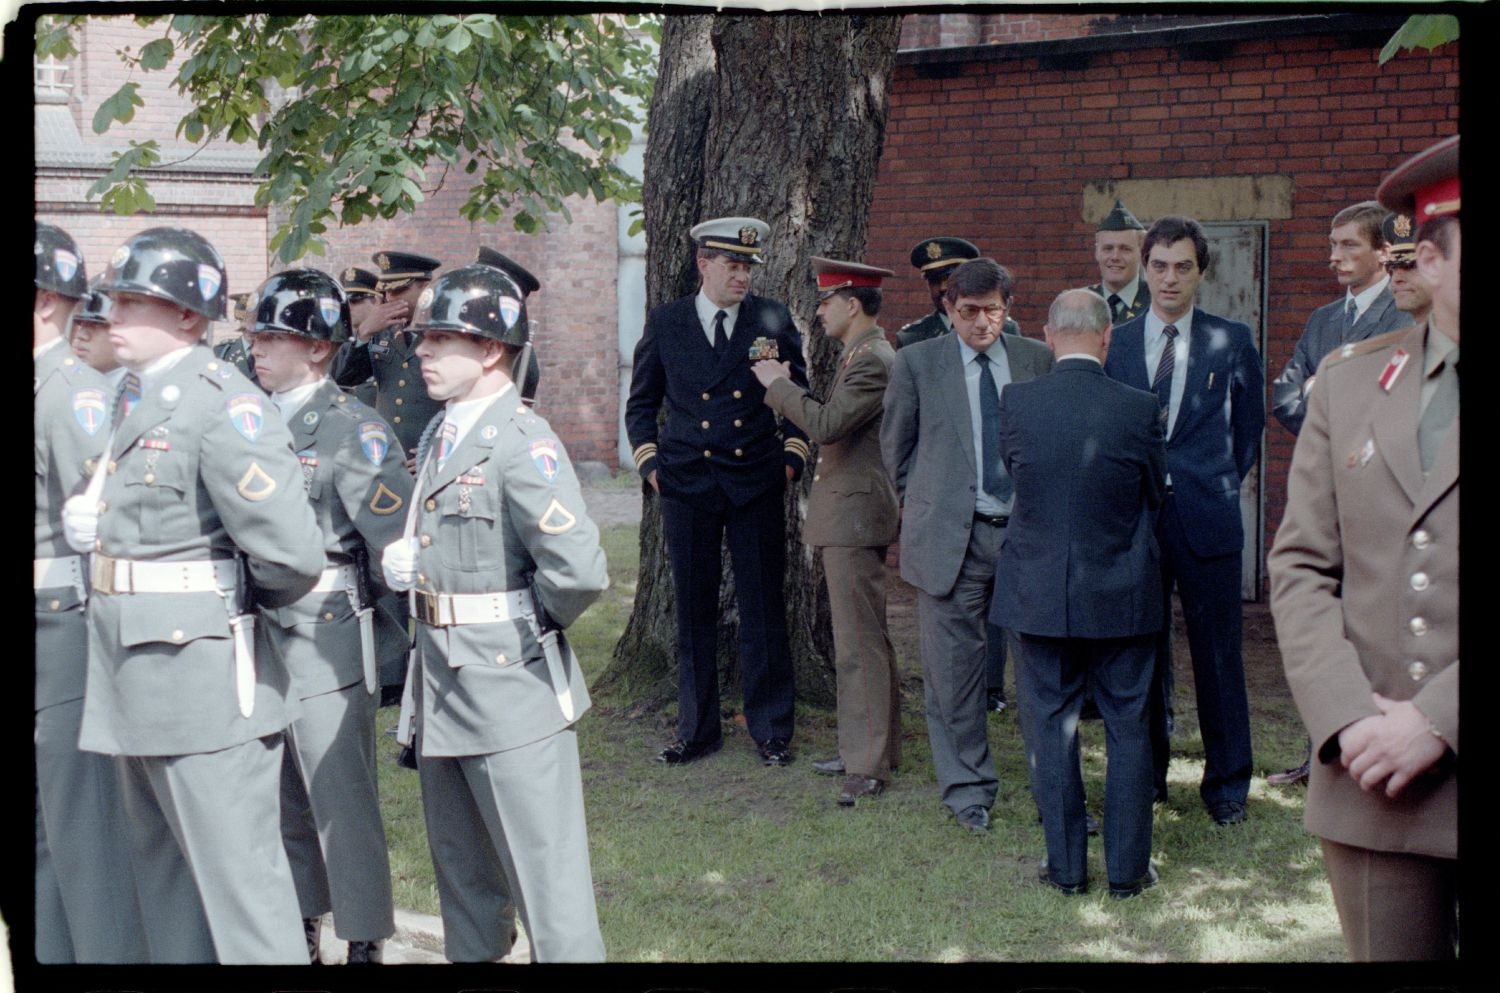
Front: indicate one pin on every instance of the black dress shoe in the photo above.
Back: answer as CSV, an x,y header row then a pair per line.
x,y
1044,876
775,751
682,752
859,788
975,818
995,701
1292,777
312,929
829,767
1124,891
1227,812
366,953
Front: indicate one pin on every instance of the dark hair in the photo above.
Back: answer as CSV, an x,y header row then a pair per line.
x,y
979,277
1368,215
868,296
1439,231
1173,228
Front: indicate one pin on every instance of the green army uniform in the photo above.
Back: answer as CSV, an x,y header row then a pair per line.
x,y
86,908
500,523
401,400
1129,309
357,483
201,468
237,353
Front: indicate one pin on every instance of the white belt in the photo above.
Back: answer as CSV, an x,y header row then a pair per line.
x,y
47,574
339,577
111,575
448,609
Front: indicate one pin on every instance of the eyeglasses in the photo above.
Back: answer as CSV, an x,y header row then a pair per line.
x,y
971,311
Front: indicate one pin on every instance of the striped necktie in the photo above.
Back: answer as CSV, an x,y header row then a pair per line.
x,y
1161,383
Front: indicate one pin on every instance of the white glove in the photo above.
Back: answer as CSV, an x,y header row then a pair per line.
x,y
80,519
398,563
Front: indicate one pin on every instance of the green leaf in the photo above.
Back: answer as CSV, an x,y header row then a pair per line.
x,y
156,54
1427,31
119,106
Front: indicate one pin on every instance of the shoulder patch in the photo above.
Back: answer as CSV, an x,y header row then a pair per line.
x,y
90,409
556,519
374,441
384,502
255,485
246,414
544,457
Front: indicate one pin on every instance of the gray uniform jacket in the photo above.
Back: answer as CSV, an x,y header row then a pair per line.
x,y
70,426
1325,332
202,466
400,394
358,486
503,512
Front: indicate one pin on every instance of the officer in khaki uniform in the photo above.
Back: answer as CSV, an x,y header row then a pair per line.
x,y
390,354
1364,591
499,554
85,895
852,517
198,505
357,482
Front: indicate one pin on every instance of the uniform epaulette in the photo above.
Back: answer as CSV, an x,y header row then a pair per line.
x,y
1374,344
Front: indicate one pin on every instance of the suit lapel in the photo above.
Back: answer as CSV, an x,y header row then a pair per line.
x,y
745,329
950,369
475,446
304,433
1395,425
1127,355
1199,366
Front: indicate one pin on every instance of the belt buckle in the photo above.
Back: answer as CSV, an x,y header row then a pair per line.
x,y
427,608
103,574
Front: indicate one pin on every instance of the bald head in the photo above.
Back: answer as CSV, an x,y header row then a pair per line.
x,y
1078,321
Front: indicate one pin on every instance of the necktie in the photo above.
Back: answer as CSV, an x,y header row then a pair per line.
x,y
1161,383
996,481
130,395
1115,306
1440,412
1351,314
721,340
445,442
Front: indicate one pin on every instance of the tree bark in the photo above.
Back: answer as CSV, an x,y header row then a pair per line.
x,y
781,118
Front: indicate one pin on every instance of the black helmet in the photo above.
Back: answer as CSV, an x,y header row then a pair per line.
x,y
304,302
171,264
59,265
95,306
477,300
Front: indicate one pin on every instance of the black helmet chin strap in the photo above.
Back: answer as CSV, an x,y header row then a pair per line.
x,y
518,375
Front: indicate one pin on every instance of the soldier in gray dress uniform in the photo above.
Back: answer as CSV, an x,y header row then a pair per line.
x,y
85,898
357,482
499,555
196,509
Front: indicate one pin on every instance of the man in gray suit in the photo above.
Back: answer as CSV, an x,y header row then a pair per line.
x,y
940,442
499,554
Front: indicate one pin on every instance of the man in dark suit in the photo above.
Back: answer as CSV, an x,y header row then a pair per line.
x,y
1367,308
1117,249
1077,581
721,464
940,442
1208,380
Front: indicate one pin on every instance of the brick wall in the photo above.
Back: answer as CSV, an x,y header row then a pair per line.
x,y
1001,153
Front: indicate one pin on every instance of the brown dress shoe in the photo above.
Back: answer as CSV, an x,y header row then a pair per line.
x,y
859,787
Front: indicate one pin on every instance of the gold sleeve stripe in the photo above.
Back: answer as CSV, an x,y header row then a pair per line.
x,y
797,447
644,453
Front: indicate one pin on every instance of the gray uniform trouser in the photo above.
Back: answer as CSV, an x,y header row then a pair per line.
x,y
330,815
206,846
953,675
86,908
507,834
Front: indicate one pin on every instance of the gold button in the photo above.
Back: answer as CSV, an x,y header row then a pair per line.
x,y
499,659
705,396
177,635
738,394
705,425
1418,626
738,423
98,544
398,401
149,478
396,419
406,365
54,604
706,453
400,382
212,367
1419,581
426,541
421,578
1416,670
739,452
343,398
431,505
112,467
103,506
327,615
1420,538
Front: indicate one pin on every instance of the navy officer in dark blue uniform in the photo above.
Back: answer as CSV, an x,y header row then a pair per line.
x,y
390,353
720,463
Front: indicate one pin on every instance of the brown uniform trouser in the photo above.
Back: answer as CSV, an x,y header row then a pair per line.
x,y
869,698
1394,906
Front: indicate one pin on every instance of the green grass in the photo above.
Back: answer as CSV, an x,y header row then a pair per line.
x,y
701,863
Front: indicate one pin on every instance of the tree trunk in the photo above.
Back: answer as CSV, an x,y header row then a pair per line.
x,y
781,118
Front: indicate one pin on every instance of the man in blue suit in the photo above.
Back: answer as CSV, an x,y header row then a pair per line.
x,y
1209,384
1077,581
720,463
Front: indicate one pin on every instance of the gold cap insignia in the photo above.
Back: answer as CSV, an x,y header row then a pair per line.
x,y
1402,226
255,485
748,235
934,250
383,260
349,274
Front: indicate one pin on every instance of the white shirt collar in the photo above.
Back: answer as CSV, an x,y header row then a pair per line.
x,y
707,309
1363,300
162,364
292,400
41,350
1080,355
1131,290
464,414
